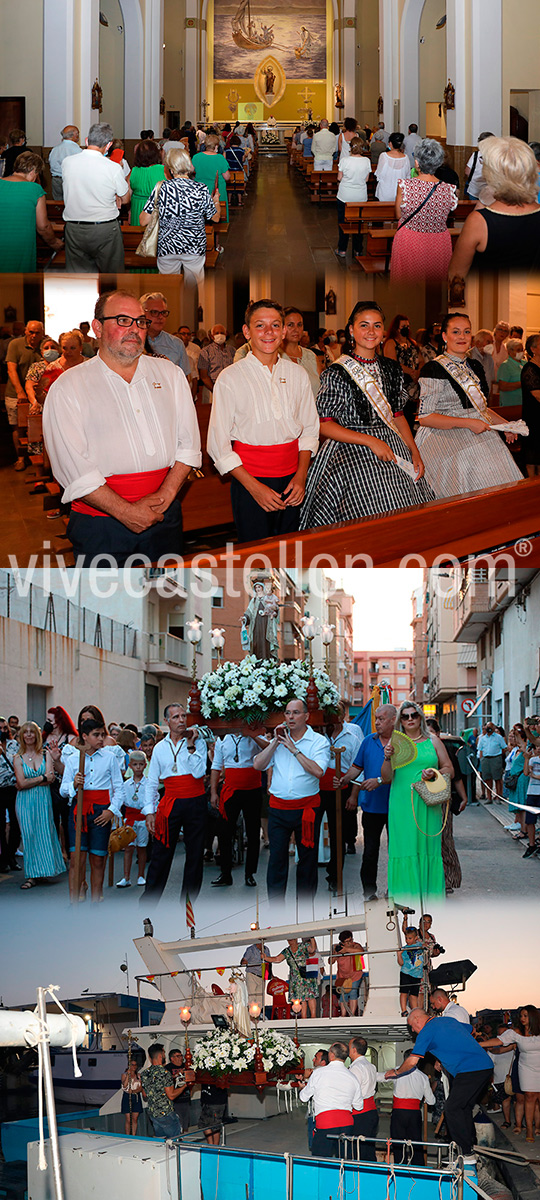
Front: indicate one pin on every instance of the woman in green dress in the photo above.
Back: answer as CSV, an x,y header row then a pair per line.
x,y
23,212
415,866
147,170
208,163
301,987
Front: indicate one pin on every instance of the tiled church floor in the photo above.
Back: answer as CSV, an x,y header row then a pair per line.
x,y
278,222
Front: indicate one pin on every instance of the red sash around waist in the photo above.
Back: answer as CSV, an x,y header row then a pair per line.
x,y
326,784
269,461
237,779
132,814
177,787
412,1103
333,1118
99,796
130,487
308,804
369,1106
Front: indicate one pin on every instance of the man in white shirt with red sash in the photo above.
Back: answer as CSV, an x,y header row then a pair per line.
x,y
336,1092
264,429
122,436
346,739
298,757
366,1122
410,1090
240,793
179,760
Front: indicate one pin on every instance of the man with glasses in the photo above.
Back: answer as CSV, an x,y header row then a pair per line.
x,y
372,794
94,189
21,353
155,308
122,436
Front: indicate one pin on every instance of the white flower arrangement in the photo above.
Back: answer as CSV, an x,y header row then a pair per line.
x,y
253,688
228,1053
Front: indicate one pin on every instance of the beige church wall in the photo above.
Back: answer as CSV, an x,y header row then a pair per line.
x,y
21,61
173,59
285,110
433,76
367,64
111,66
521,56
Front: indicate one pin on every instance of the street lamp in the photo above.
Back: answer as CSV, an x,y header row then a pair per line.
x,y
255,1014
194,635
185,1017
218,642
327,637
309,630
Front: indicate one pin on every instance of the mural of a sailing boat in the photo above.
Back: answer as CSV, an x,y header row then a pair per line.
x,y
246,30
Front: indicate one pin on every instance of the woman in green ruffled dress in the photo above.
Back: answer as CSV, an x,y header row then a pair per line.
x,y
415,866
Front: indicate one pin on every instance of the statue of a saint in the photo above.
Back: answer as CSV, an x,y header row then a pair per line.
x,y
261,621
270,80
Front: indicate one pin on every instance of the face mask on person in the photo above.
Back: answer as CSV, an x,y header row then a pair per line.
x,y
51,355
521,357
405,330
220,338
332,339
342,340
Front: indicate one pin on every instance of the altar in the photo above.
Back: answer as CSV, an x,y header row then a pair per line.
x,y
273,138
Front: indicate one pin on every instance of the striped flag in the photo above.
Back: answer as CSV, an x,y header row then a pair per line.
x,y
190,915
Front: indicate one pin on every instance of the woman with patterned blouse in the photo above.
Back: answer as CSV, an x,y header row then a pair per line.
x,y
368,463
301,986
460,450
184,206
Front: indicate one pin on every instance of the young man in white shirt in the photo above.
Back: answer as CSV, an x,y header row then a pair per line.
x,y
446,1008
410,1090
264,429
94,187
299,758
179,761
336,1092
122,436
102,801
366,1122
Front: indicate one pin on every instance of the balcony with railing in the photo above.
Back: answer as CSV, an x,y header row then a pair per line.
x,y
474,609
169,656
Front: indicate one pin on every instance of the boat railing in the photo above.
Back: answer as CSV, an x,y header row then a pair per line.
x,y
288,1176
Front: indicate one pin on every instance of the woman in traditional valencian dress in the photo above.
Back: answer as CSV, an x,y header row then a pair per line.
x,y
415,865
356,472
460,451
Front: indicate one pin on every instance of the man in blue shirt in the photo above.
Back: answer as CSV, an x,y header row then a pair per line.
x,y
155,308
490,750
468,1065
373,794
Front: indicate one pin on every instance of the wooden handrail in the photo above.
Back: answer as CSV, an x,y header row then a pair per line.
x,y
460,527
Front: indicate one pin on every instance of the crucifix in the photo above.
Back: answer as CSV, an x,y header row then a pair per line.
x,y
205,106
306,96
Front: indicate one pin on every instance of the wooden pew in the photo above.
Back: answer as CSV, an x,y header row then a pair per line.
x,y
131,236
236,186
323,186
377,220
480,522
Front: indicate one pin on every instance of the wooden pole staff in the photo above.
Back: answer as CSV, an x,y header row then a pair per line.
x,y
337,751
78,829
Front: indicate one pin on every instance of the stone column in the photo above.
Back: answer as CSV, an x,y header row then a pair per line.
x,y
153,64
389,26
348,62
59,107
192,95
486,67
458,122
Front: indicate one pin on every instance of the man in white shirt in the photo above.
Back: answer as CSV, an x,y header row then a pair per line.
x,y
410,1090
179,761
323,147
474,179
256,970
68,145
102,801
155,306
193,352
347,741
94,188
264,429
336,1092
366,1122
241,793
442,1005
122,436
298,757
412,140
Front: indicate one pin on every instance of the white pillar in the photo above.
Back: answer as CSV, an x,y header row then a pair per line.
x,y
58,98
153,64
458,122
348,60
133,68
191,59
389,25
409,65
486,67
86,62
